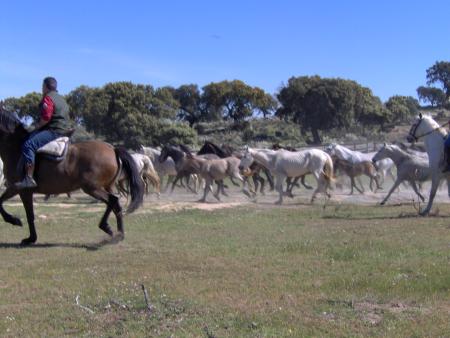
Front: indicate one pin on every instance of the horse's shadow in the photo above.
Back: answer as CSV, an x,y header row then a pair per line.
x,y
88,247
399,216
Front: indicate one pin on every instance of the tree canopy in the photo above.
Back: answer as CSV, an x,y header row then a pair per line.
x,y
319,104
402,108
134,114
438,74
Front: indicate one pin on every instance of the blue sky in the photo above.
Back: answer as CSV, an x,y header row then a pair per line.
x,y
384,45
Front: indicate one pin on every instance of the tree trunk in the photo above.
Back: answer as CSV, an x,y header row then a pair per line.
x,y
316,136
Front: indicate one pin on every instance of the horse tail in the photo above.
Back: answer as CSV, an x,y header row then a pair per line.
x,y
134,178
328,170
153,177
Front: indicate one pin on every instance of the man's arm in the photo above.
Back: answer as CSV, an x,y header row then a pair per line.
x,y
47,109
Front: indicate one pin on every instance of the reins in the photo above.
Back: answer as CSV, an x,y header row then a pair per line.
x,y
428,132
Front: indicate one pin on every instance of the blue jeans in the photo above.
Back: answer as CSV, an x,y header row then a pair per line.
x,y
36,140
447,141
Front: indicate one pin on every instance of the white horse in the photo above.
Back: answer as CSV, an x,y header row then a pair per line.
x,y
147,172
384,166
166,168
434,136
285,164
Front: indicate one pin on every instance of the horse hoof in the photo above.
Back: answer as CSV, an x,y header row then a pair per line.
x,y
16,221
278,202
201,200
106,228
28,241
382,203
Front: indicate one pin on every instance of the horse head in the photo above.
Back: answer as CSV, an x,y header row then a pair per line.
x,y
423,125
382,153
246,160
10,123
330,149
165,151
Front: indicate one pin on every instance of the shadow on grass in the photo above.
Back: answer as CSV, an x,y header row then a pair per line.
x,y
400,216
90,247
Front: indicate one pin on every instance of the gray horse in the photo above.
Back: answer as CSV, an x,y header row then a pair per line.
x,y
410,168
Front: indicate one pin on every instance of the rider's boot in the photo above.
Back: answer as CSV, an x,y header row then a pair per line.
x,y
28,182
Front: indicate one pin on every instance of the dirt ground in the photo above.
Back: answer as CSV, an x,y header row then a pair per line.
x,y
182,199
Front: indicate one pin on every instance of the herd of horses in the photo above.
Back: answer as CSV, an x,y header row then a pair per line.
x,y
100,169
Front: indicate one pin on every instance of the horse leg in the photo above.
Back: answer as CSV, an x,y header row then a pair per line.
x,y
307,186
356,187
279,179
246,183
8,218
289,186
375,177
188,185
396,184
27,201
263,184
219,184
114,203
269,178
414,186
360,183
208,187
255,182
169,179
234,183
222,189
104,196
318,189
174,182
434,186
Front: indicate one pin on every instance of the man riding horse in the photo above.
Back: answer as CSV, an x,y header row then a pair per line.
x,y
54,122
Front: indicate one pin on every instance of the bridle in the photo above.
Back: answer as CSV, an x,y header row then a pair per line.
x,y
413,130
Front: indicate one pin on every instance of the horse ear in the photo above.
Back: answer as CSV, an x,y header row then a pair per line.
x,y
420,116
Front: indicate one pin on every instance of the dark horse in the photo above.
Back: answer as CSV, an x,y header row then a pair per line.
x,y
92,166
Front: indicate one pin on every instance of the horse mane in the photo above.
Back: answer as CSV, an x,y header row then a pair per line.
x,y
211,148
227,149
277,146
9,121
186,150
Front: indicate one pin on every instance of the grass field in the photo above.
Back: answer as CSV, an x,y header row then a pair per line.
x,y
250,271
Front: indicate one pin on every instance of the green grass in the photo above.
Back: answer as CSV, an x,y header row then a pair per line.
x,y
244,272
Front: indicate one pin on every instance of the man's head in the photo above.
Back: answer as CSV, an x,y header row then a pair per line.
x,y
49,84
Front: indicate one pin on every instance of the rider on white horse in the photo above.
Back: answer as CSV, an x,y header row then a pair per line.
x,y
447,153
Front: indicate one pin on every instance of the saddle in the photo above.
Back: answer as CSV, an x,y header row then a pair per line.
x,y
56,150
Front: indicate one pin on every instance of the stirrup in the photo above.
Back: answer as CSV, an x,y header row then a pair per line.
x,y
26,183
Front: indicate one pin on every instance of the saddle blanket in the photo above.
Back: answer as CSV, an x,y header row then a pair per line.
x,y
55,148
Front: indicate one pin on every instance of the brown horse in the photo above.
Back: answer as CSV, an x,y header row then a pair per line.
x,y
92,166
353,170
